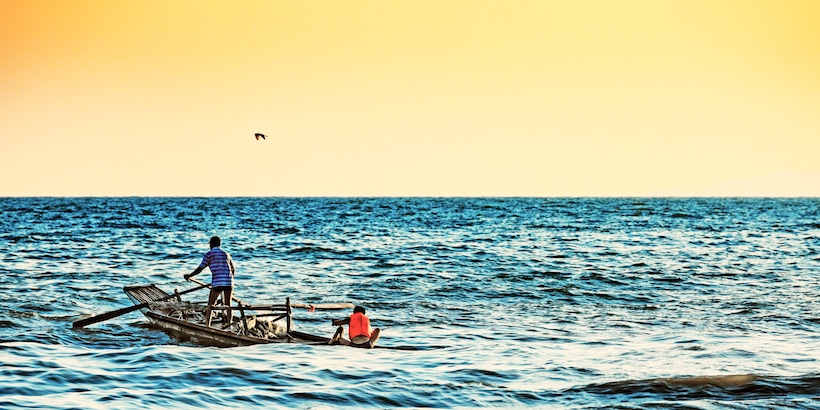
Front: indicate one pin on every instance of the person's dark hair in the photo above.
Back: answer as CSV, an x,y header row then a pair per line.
x,y
215,241
358,309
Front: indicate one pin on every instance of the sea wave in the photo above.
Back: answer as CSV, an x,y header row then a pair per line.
x,y
509,302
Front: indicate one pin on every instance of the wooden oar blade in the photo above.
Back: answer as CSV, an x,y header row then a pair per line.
x,y
108,315
119,312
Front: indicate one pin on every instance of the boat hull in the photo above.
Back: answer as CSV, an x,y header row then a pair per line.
x,y
194,329
185,327
205,335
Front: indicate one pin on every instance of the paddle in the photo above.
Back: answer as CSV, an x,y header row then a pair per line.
x,y
324,306
119,312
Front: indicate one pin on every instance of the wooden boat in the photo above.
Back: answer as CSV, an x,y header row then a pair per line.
x,y
258,324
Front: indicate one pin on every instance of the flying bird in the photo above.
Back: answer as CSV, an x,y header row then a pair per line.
x,y
258,135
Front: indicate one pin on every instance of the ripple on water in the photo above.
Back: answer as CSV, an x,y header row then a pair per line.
x,y
516,302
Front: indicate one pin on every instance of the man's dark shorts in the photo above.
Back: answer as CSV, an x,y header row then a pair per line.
x,y
220,289
365,345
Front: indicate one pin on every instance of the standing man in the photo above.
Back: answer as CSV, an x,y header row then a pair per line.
x,y
222,273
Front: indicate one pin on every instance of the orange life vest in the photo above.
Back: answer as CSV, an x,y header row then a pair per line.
x,y
359,325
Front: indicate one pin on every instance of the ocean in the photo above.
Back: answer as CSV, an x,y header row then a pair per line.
x,y
630,303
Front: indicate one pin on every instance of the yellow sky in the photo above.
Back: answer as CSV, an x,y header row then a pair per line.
x,y
409,98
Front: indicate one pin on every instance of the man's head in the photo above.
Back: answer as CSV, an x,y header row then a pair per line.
x,y
358,309
215,241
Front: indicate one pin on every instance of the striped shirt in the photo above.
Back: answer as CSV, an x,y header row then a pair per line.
x,y
221,266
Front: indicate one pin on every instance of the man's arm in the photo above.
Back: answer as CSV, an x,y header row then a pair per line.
x,y
196,271
339,322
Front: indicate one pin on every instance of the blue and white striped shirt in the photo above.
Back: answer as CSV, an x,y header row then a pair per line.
x,y
221,266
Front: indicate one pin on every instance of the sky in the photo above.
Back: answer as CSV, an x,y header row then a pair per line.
x,y
539,98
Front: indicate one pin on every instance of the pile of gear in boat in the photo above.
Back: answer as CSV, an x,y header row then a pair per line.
x,y
250,325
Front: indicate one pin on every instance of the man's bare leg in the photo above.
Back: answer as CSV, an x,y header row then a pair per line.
x,y
337,337
227,296
374,337
211,300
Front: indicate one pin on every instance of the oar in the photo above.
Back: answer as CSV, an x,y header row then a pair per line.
x,y
323,306
119,312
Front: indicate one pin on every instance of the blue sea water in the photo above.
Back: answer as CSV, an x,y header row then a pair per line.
x,y
512,302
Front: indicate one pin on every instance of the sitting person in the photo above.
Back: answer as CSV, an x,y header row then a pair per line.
x,y
361,335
